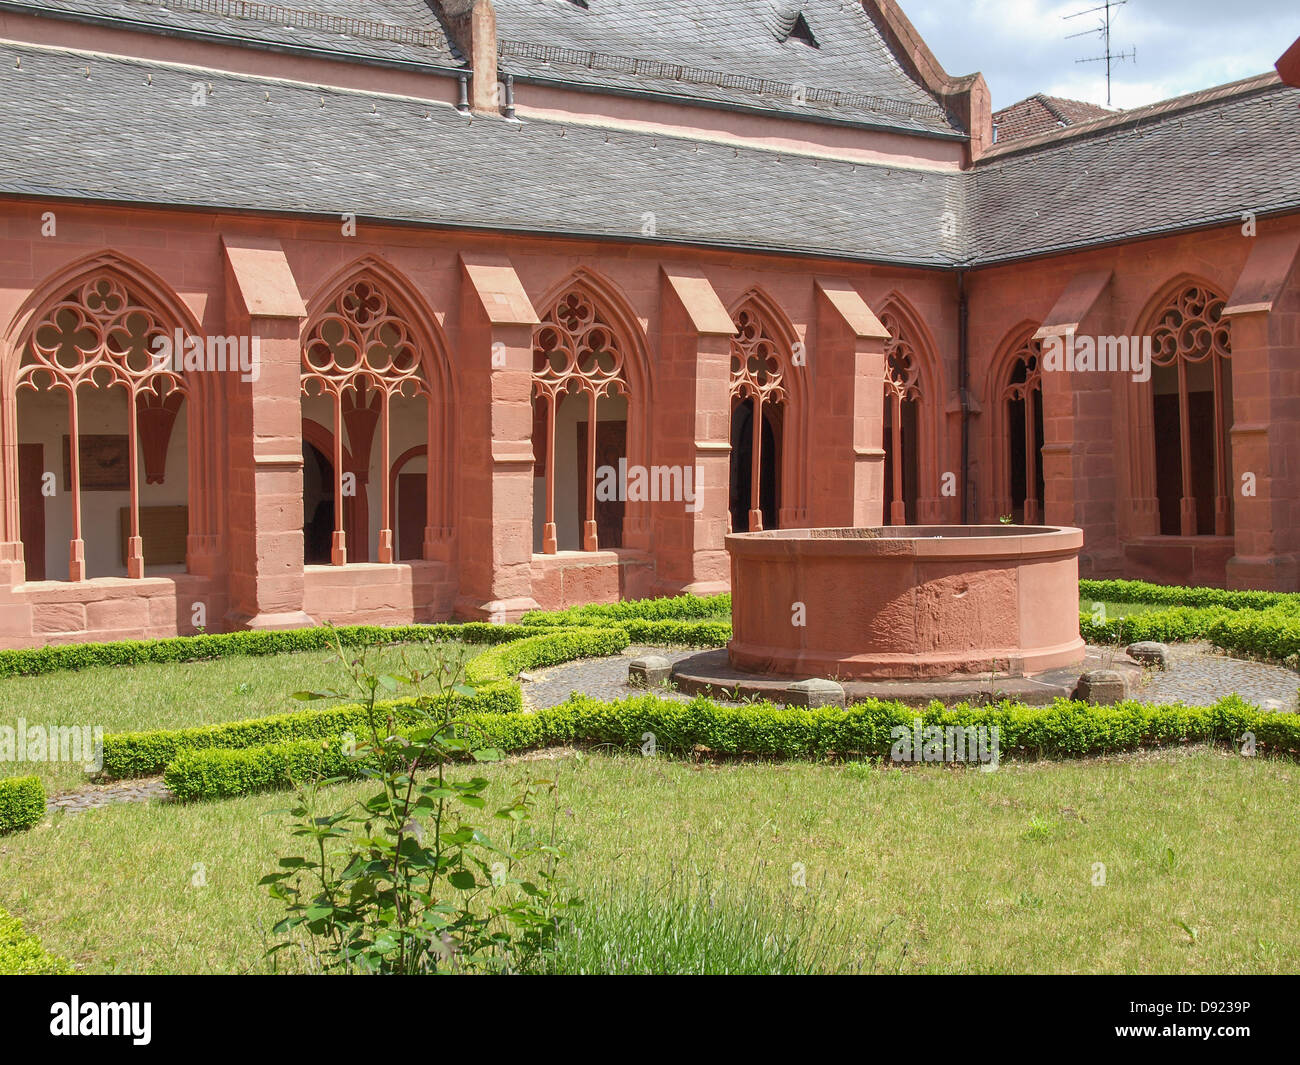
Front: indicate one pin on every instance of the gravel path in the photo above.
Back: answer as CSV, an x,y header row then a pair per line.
x,y
1198,677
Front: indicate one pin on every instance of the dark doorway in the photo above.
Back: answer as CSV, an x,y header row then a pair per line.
x,y
412,506
317,506
1169,459
31,508
611,445
742,464
907,442
1020,455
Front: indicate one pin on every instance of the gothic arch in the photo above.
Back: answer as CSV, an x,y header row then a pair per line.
x,y
1018,349
595,304
346,313
143,295
790,389
914,370
1189,336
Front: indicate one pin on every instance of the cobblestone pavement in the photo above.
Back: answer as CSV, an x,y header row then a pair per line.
x,y
1198,677
601,678
93,796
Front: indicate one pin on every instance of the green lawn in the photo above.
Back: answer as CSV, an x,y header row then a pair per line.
x,y
173,695
1119,610
917,870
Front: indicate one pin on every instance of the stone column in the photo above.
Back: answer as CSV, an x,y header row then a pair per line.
x,y
1265,313
692,430
846,365
495,359
264,439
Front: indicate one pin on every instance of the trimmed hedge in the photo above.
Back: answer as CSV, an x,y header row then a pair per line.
x,y
546,649
1272,634
1066,729
22,803
135,754
37,660
675,608
140,754
1178,595
22,954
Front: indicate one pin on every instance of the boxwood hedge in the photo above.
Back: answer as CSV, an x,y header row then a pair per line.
x,y
22,803
1066,729
22,954
1176,595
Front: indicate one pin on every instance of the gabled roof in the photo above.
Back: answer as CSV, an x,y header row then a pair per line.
x,y
1043,114
742,53
1197,160
390,30
266,145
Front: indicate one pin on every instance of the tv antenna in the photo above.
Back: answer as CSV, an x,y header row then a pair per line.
x,y
1109,58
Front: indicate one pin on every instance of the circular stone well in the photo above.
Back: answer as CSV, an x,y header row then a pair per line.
x,y
908,601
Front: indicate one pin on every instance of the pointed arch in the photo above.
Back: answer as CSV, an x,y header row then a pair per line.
x,y
369,338
96,323
769,394
590,343
914,391
1015,396
1180,445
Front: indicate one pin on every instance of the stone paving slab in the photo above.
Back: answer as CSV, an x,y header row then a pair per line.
x,y
1198,677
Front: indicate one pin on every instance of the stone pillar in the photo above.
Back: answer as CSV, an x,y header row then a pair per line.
x,y
495,358
846,364
1265,313
692,430
264,439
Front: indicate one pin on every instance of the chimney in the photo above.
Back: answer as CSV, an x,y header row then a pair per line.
x,y
1289,65
472,27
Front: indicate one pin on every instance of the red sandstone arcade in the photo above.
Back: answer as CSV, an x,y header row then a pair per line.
x,y
484,251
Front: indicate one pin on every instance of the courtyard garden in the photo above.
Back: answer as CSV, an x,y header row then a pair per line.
x,y
598,827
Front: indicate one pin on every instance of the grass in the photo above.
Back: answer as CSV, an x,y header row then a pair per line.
x,y
170,695
1119,610
917,870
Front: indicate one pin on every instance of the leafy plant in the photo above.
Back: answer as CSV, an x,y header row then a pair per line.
x,y
402,881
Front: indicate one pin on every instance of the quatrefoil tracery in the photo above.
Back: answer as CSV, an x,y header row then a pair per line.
x,y
1026,371
575,353
99,336
902,372
757,370
363,339
1191,327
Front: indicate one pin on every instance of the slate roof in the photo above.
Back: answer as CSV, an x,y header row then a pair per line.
x,y
112,134
1201,160
737,52
1043,114
404,31
261,144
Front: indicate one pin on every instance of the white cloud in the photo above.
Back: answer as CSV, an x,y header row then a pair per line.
x,y
1021,46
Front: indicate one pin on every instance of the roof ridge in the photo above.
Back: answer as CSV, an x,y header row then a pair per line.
x,y
702,76
301,18
1134,116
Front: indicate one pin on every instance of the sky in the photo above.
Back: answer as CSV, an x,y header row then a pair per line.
x,y
1020,46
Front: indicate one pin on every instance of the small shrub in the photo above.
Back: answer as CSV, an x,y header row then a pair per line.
x,y
22,803
22,954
